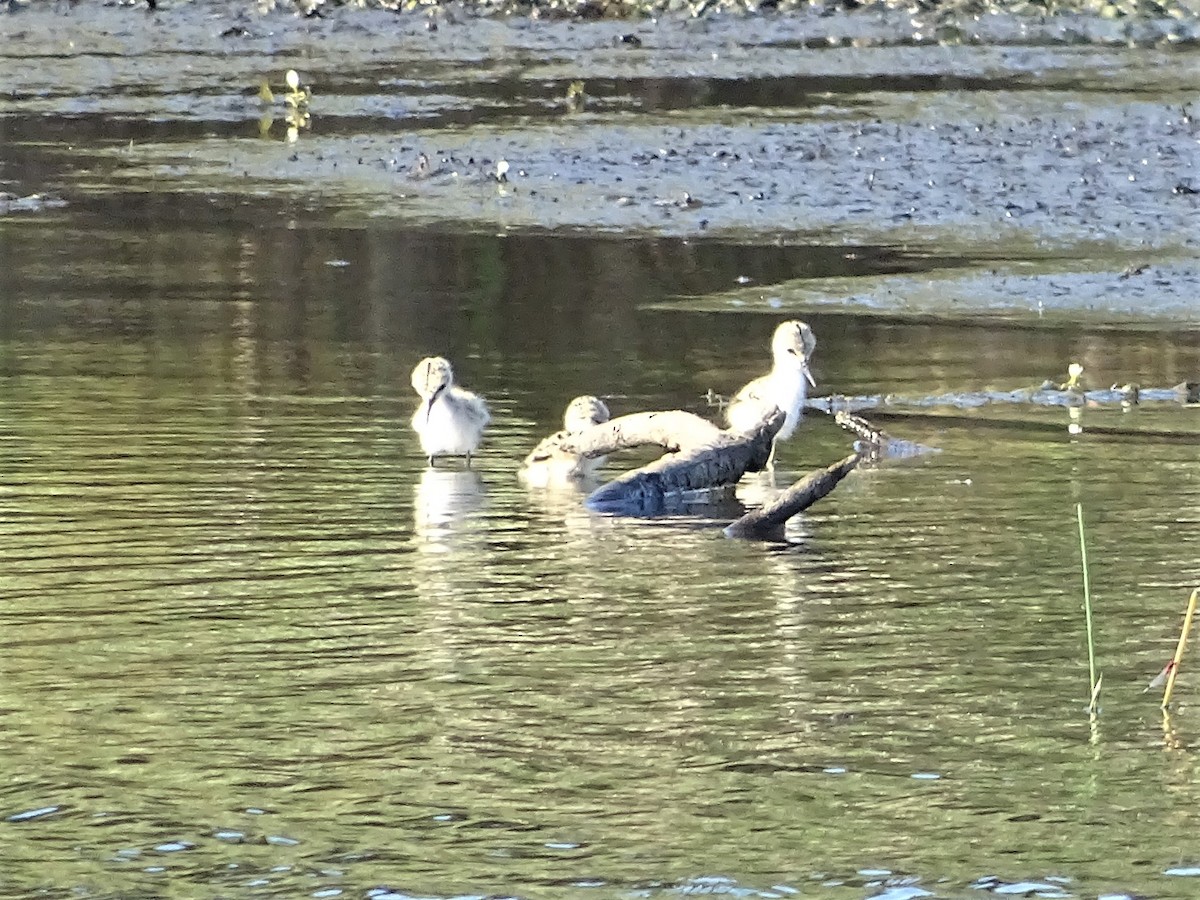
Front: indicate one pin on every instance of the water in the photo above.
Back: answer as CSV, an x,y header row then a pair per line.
x,y
253,646
251,642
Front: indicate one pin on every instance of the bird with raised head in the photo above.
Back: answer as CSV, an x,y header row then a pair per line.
x,y
784,387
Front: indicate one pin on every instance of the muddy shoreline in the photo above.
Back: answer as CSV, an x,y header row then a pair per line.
x,y
591,10
1158,23
1054,159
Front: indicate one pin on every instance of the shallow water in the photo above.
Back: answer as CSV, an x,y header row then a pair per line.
x,y
253,646
252,643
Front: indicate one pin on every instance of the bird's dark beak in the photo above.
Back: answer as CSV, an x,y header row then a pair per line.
x,y
432,400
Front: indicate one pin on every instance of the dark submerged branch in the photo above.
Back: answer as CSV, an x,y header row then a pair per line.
x,y
700,456
766,523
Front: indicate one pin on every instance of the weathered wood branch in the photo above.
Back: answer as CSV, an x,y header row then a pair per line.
x,y
767,522
567,456
672,430
700,456
860,426
876,444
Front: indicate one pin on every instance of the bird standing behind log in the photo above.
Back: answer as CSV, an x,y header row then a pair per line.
x,y
784,387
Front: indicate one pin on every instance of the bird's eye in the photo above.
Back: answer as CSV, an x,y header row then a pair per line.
x,y
792,350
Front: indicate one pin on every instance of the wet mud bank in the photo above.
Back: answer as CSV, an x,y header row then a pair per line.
x,y
1056,160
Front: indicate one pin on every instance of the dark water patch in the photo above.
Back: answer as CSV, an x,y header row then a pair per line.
x,y
416,101
948,147
151,291
52,136
188,118
797,95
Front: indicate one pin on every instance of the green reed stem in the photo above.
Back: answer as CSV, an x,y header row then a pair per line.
x,y
1087,613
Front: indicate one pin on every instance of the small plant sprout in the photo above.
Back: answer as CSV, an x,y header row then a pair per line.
x,y
298,95
576,97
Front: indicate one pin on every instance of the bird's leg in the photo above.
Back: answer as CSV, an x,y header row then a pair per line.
x,y
468,459
431,465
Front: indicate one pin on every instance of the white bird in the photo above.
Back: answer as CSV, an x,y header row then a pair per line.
x,y
450,420
548,464
784,387
585,411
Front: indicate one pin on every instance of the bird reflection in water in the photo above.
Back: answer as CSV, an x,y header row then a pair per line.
x,y
443,505
450,565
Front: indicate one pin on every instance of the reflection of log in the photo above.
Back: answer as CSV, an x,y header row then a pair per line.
x,y
766,523
699,456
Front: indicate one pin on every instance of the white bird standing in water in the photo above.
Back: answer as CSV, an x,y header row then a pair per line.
x,y
547,464
450,420
785,386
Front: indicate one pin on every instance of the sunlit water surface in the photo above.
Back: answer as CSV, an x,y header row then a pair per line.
x,y
252,645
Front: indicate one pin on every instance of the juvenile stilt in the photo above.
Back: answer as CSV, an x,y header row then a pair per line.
x,y
784,387
450,420
549,464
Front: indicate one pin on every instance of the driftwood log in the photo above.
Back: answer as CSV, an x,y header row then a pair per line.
x,y
767,522
699,456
